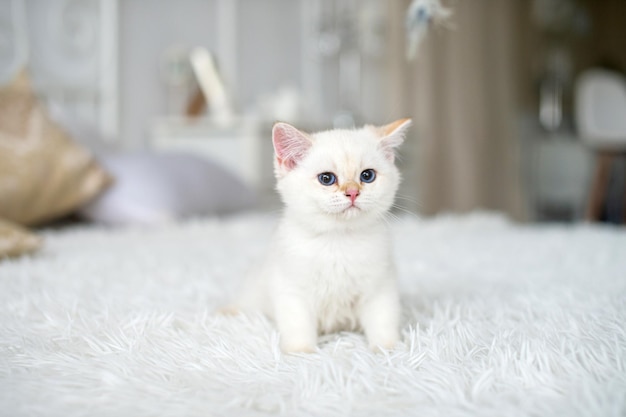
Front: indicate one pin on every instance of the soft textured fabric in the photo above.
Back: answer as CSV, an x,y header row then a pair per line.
x,y
16,240
465,90
152,188
44,174
498,320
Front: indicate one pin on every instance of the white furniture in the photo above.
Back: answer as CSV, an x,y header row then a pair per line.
x,y
601,109
244,147
600,101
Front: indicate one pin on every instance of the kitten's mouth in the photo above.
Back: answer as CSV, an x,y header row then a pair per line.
x,y
351,212
348,211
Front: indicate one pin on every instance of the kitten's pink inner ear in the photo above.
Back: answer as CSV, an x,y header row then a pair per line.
x,y
290,144
392,136
392,127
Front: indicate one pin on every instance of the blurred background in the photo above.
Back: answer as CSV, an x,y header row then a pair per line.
x,y
492,90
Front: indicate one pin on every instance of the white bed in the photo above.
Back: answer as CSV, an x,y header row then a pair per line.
x,y
499,319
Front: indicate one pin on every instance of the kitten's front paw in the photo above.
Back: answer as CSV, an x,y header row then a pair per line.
x,y
296,347
380,341
386,345
229,310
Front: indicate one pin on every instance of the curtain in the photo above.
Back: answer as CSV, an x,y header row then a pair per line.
x,y
465,102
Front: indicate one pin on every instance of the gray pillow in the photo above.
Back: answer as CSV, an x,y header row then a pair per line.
x,y
152,188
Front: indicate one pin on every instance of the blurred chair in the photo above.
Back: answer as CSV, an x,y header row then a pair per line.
x,y
600,106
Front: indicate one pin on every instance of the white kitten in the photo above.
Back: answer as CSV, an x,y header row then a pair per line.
x,y
329,266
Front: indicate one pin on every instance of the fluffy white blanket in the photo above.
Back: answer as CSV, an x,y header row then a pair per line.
x,y
499,319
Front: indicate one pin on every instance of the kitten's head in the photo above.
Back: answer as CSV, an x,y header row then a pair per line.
x,y
344,175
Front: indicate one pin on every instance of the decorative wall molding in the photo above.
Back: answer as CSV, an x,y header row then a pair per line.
x,y
70,49
13,38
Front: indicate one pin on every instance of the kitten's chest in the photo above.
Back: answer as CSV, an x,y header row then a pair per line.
x,y
345,271
343,263
333,273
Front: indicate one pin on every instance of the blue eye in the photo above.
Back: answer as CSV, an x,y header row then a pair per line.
x,y
369,175
327,178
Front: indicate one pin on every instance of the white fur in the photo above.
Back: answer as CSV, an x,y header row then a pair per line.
x,y
329,266
499,319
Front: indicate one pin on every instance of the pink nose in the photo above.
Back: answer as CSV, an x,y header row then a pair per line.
x,y
353,193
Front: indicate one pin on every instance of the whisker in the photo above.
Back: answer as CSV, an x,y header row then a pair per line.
x,y
391,216
411,200
407,198
405,210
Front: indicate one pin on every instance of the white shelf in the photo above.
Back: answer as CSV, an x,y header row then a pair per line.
x,y
238,147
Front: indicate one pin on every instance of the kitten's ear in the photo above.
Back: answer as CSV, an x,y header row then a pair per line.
x,y
290,145
392,135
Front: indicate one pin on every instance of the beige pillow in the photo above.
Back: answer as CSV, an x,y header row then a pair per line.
x,y
16,241
43,173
